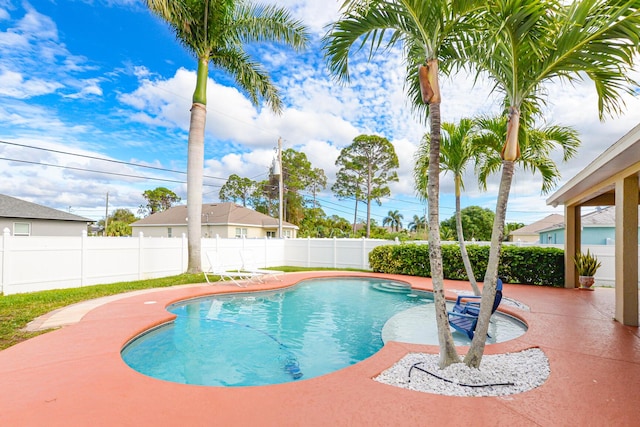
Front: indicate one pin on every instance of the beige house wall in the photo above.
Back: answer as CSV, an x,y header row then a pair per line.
x,y
45,227
528,238
159,230
208,231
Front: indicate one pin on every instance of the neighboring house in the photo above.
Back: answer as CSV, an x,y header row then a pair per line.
x,y
225,220
30,219
598,228
531,232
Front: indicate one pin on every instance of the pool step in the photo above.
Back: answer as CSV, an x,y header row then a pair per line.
x,y
397,288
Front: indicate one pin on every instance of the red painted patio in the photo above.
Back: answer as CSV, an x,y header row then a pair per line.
x,y
74,376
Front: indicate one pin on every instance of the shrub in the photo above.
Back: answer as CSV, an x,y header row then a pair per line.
x,y
526,265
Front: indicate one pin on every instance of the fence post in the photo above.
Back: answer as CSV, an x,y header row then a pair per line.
x,y
183,250
6,233
265,251
364,250
308,251
335,252
83,258
140,254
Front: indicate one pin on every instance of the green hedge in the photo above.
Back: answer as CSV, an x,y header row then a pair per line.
x,y
526,265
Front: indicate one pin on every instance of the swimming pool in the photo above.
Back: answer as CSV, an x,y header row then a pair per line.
x,y
314,328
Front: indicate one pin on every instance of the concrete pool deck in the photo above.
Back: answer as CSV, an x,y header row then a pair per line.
x,y
74,376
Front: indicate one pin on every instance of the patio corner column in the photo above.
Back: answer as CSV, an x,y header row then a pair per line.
x,y
572,243
627,251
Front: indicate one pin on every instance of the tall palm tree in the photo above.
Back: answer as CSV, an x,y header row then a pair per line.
x,y
456,151
218,32
417,223
429,32
526,44
393,220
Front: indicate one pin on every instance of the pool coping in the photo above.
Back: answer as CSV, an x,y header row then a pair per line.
x,y
75,376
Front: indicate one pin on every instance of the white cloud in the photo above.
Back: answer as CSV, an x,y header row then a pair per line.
x,y
405,150
90,87
63,188
315,14
14,85
36,25
11,40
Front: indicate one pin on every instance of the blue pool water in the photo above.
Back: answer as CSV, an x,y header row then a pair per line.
x,y
317,327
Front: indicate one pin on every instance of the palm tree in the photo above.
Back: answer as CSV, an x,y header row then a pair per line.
x,y
218,32
526,44
536,146
456,151
417,223
394,220
429,32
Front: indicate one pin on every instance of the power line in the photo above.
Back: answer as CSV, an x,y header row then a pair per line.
x,y
101,172
105,160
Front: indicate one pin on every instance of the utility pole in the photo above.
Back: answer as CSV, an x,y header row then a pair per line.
x,y
280,188
106,215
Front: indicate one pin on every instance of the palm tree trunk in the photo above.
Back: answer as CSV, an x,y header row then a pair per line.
x,y
195,165
463,248
448,353
474,355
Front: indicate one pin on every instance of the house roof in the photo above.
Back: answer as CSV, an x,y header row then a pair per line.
x,y
601,217
213,214
597,179
535,227
10,207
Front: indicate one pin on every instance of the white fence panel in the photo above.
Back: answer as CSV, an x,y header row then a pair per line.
x,y
40,263
266,252
332,253
606,274
310,252
161,257
111,259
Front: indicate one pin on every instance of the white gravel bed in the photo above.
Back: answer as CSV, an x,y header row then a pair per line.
x,y
524,371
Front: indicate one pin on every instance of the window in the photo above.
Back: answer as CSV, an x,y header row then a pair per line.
x,y
241,232
22,229
271,234
169,232
286,233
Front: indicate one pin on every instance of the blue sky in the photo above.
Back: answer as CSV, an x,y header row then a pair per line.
x,y
104,79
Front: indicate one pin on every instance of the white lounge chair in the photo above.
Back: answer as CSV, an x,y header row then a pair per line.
x,y
249,265
216,269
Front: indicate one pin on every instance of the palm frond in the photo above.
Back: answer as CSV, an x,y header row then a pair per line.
x,y
537,144
249,75
269,23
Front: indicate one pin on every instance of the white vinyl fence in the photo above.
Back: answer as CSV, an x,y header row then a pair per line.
x,y
33,263
29,264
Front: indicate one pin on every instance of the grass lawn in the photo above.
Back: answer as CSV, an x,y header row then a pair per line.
x,y
16,311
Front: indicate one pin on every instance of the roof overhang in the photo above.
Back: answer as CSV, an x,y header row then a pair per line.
x,y
595,184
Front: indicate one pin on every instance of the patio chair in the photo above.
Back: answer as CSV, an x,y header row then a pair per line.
x,y
216,269
470,304
249,265
464,316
